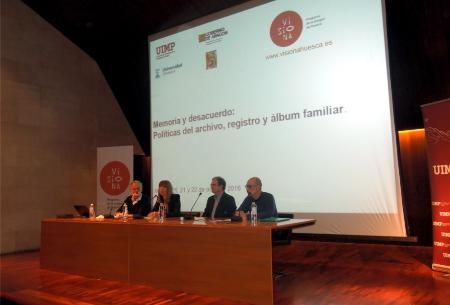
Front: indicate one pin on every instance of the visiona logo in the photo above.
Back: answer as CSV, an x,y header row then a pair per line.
x,y
286,28
165,49
114,178
443,169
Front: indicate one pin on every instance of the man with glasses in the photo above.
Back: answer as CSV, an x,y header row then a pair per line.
x,y
264,201
221,204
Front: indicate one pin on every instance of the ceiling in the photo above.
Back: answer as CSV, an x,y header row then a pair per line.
x,y
114,33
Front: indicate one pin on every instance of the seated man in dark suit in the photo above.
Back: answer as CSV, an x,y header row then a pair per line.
x,y
137,203
220,205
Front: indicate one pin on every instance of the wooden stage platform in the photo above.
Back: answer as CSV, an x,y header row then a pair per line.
x,y
311,273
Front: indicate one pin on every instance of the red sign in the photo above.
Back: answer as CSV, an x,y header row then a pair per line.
x,y
114,178
437,131
286,28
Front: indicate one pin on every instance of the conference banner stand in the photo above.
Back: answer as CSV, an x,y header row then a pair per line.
x,y
114,174
436,117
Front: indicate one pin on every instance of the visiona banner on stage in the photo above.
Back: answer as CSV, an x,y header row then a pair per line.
x,y
436,117
114,174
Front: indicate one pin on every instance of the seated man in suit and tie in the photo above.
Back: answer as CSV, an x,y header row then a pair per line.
x,y
166,196
221,204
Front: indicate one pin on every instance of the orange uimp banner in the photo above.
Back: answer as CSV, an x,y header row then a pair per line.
x,y
436,117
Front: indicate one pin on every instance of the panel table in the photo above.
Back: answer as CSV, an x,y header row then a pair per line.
x,y
216,258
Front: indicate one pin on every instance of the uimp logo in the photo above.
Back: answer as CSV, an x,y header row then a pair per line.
x,y
114,178
165,49
286,28
442,169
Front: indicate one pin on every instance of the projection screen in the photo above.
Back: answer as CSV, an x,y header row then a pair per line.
x,y
294,92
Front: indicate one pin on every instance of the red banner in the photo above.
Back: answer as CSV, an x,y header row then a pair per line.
x,y
436,117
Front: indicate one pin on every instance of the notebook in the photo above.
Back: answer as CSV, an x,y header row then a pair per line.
x,y
274,219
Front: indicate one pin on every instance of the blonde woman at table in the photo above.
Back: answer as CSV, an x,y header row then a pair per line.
x,y
168,198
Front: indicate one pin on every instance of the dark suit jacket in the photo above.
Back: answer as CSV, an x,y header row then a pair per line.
x,y
174,206
142,207
225,208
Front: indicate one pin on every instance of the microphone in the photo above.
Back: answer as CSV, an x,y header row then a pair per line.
x,y
190,215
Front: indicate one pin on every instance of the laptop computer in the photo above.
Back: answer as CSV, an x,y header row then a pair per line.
x,y
82,210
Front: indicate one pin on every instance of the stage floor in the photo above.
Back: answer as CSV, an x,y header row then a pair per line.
x,y
305,272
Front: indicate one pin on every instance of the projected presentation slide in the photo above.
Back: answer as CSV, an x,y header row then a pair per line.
x,y
294,92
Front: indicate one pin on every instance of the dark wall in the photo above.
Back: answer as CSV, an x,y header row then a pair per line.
x,y
419,44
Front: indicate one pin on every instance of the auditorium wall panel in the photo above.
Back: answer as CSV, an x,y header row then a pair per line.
x,y
415,183
56,109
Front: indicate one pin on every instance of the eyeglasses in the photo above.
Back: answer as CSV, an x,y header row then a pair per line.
x,y
248,186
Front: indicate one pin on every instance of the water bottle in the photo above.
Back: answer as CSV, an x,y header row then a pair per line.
x,y
125,212
253,213
162,212
91,211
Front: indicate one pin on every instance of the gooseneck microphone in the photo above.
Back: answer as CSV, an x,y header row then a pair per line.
x,y
199,194
189,215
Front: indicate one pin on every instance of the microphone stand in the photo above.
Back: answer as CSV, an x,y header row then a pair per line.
x,y
190,216
157,200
